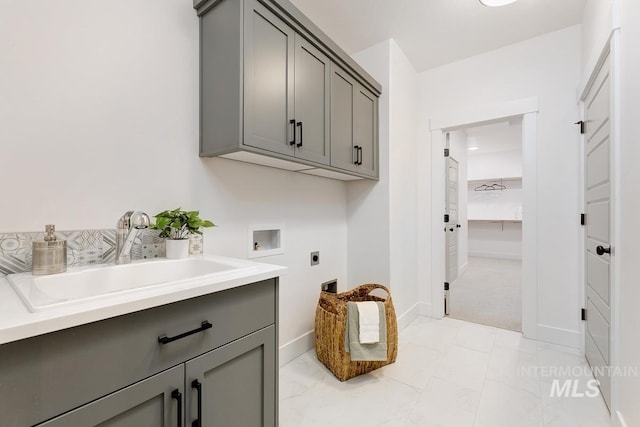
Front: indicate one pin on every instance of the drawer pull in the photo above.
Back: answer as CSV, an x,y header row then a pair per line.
x,y
163,339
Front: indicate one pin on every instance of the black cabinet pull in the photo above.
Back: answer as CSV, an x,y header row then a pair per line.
x,y
458,226
175,394
601,250
293,122
163,339
299,144
357,148
198,386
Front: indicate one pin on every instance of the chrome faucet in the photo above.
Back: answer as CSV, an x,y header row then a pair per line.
x,y
126,231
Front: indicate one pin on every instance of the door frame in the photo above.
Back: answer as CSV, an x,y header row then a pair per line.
x,y
527,109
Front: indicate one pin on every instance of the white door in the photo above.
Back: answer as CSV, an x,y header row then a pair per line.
x,y
598,229
451,227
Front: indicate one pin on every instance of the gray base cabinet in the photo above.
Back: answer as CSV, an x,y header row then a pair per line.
x,y
156,401
118,372
267,90
233,385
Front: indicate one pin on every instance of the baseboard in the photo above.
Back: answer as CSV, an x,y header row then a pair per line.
x,y
462,269
425,309
495,255
559,336
298,346
618,420
295,348
407,317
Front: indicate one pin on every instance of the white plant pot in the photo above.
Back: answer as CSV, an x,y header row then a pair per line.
x,y
177,249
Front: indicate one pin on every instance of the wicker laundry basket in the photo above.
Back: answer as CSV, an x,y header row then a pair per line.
x,y
331,322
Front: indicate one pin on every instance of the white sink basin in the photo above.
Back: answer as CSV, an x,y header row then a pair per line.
x,y
83,284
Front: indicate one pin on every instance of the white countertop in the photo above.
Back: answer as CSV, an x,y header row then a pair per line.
x,y
16,322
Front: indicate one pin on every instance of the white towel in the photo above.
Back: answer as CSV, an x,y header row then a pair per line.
x,y
369,319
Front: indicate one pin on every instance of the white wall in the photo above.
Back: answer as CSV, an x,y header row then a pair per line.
x,y
597,21
99,112
368,222
547,67
504,164
382,216
495,239
458,151
403,171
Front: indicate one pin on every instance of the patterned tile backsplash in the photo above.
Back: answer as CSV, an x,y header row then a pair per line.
x,y
84,247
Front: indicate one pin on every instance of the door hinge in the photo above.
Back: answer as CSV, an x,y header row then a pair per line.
x,y
583,314
446,152
582,126
446,217
583,219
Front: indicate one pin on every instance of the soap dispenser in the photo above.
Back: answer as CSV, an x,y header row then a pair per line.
x,y
49,256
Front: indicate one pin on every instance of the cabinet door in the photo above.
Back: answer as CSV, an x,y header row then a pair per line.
x,y
343,88
268,80
365,131
312,98
235,385
151,402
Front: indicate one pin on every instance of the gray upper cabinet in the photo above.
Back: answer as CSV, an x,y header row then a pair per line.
x,y
354,125
365,131
312,103
267,90
343,89
268,82
286,89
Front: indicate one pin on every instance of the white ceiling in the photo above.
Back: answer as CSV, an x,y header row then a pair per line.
x,y
437,32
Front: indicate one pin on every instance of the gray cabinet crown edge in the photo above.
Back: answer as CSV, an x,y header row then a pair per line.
x,y
313,34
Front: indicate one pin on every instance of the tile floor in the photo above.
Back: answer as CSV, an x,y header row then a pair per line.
x,y
449,373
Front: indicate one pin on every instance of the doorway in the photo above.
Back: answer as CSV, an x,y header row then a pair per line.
x,y
484,232
527,110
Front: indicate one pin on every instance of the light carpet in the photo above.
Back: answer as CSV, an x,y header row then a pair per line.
x,y
489,292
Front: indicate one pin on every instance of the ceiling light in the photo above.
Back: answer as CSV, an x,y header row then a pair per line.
x,y
474,148
496,3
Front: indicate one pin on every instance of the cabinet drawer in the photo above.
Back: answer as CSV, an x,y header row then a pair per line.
x,y
44,376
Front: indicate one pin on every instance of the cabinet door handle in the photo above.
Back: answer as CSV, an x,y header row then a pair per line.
x,y
601,250
357,149
175,394
163,339
299,144
293,130
198,386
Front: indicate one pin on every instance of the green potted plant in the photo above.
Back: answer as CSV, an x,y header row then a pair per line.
x,y
176,226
